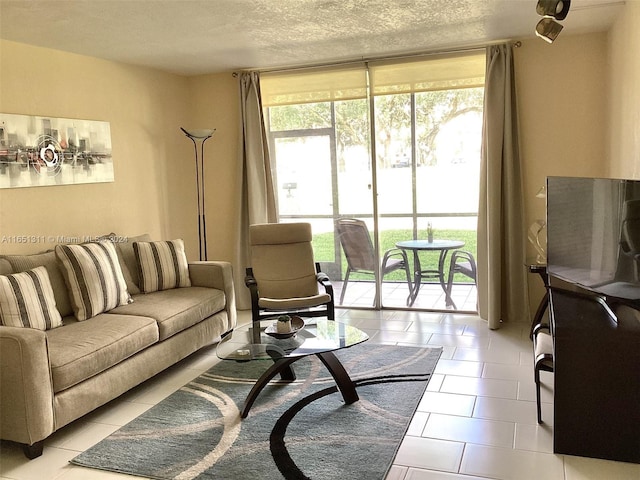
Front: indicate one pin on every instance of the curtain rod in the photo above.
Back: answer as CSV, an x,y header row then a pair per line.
x,y
516,44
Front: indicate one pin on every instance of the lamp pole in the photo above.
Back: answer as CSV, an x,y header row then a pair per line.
x,y
199,135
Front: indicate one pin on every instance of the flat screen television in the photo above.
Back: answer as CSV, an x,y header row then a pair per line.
x,y
593,234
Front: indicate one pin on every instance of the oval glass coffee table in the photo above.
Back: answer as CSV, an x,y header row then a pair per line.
x,y
319,337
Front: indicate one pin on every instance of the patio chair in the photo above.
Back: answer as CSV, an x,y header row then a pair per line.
x,y
283,277
361,258
464,263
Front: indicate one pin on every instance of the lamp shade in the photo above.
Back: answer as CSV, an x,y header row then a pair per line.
x,y
198,133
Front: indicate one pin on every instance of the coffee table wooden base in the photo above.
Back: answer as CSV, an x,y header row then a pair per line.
x,y
282,366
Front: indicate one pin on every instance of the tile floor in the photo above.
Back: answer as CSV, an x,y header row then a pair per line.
x,y
394,295
477,419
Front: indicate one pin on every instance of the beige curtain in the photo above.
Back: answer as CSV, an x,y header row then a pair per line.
x,y
502,292
257,198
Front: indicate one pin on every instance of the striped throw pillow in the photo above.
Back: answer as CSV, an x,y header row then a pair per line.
x,y
26,300
162,265
94,278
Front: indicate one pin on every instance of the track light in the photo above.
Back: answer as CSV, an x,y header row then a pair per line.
x,y
557,9
547,28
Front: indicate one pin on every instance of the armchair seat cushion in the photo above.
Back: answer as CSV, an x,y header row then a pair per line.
x,y
176,309
292,303
81,350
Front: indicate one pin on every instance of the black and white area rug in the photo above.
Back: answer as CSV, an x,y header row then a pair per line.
x,y
295,430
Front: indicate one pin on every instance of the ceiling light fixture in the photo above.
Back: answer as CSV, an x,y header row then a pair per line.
x,y
548,28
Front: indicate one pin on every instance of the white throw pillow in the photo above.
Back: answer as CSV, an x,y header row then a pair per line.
x,y
162,265
94,278
26,300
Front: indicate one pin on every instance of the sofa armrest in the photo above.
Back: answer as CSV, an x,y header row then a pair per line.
x,y
26,388
216,274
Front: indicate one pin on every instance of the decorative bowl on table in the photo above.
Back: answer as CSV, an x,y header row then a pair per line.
x,y
297,324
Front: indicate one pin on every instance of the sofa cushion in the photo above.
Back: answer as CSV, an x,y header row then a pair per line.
x,y
128,262
22,263
5,266
176,309
161,265
80,350
94,278
26,300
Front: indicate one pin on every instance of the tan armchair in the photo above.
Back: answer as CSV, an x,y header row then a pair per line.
x,y
283,277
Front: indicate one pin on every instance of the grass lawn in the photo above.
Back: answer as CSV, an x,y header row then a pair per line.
x,y
323,247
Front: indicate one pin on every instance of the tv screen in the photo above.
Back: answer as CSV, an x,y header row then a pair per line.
x,y
593,234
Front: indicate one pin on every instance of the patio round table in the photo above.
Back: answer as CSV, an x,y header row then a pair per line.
x,y
416,246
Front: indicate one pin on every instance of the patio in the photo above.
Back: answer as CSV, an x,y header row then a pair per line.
x,y
394,295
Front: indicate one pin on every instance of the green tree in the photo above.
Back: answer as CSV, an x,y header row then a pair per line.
x,y
393,121
434,110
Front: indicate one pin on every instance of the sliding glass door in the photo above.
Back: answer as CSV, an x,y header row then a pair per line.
x,y
395,147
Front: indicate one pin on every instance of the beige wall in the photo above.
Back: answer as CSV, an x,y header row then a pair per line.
x,y
151,157
562,95
624,108
215,105
154,189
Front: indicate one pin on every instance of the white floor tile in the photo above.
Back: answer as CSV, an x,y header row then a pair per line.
x,y
444,329
14,464
85,437
470,430
527,388
430,454
118,412
451,404
396,473
419,474
488,387
459,341
486,355
508,372
73,472
459,367
537,438
506,410
414,338
510,464
580,468
418,422
435,383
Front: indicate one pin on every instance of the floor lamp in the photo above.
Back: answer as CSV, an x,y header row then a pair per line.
x,y
201,136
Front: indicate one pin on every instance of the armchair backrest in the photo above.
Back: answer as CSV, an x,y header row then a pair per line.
x,y
356,244
282,260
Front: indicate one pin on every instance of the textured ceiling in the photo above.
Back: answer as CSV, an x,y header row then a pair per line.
x,y
205,36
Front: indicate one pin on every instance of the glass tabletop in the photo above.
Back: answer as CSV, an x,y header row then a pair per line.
x,y
317,336
426,245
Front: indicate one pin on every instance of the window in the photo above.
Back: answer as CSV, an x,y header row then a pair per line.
x,y
396,144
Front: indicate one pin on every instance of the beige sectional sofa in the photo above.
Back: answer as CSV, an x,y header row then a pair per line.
x,y
49,378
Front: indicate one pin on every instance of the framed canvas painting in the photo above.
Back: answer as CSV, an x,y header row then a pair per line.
x,y
40,151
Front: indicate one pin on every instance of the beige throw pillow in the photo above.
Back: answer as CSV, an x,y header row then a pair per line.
x,y
162,265
94,278
26,300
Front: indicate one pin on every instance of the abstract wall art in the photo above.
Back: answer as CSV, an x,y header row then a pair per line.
x,y
41,151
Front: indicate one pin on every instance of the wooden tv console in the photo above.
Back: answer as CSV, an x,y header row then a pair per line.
x,y
596,376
